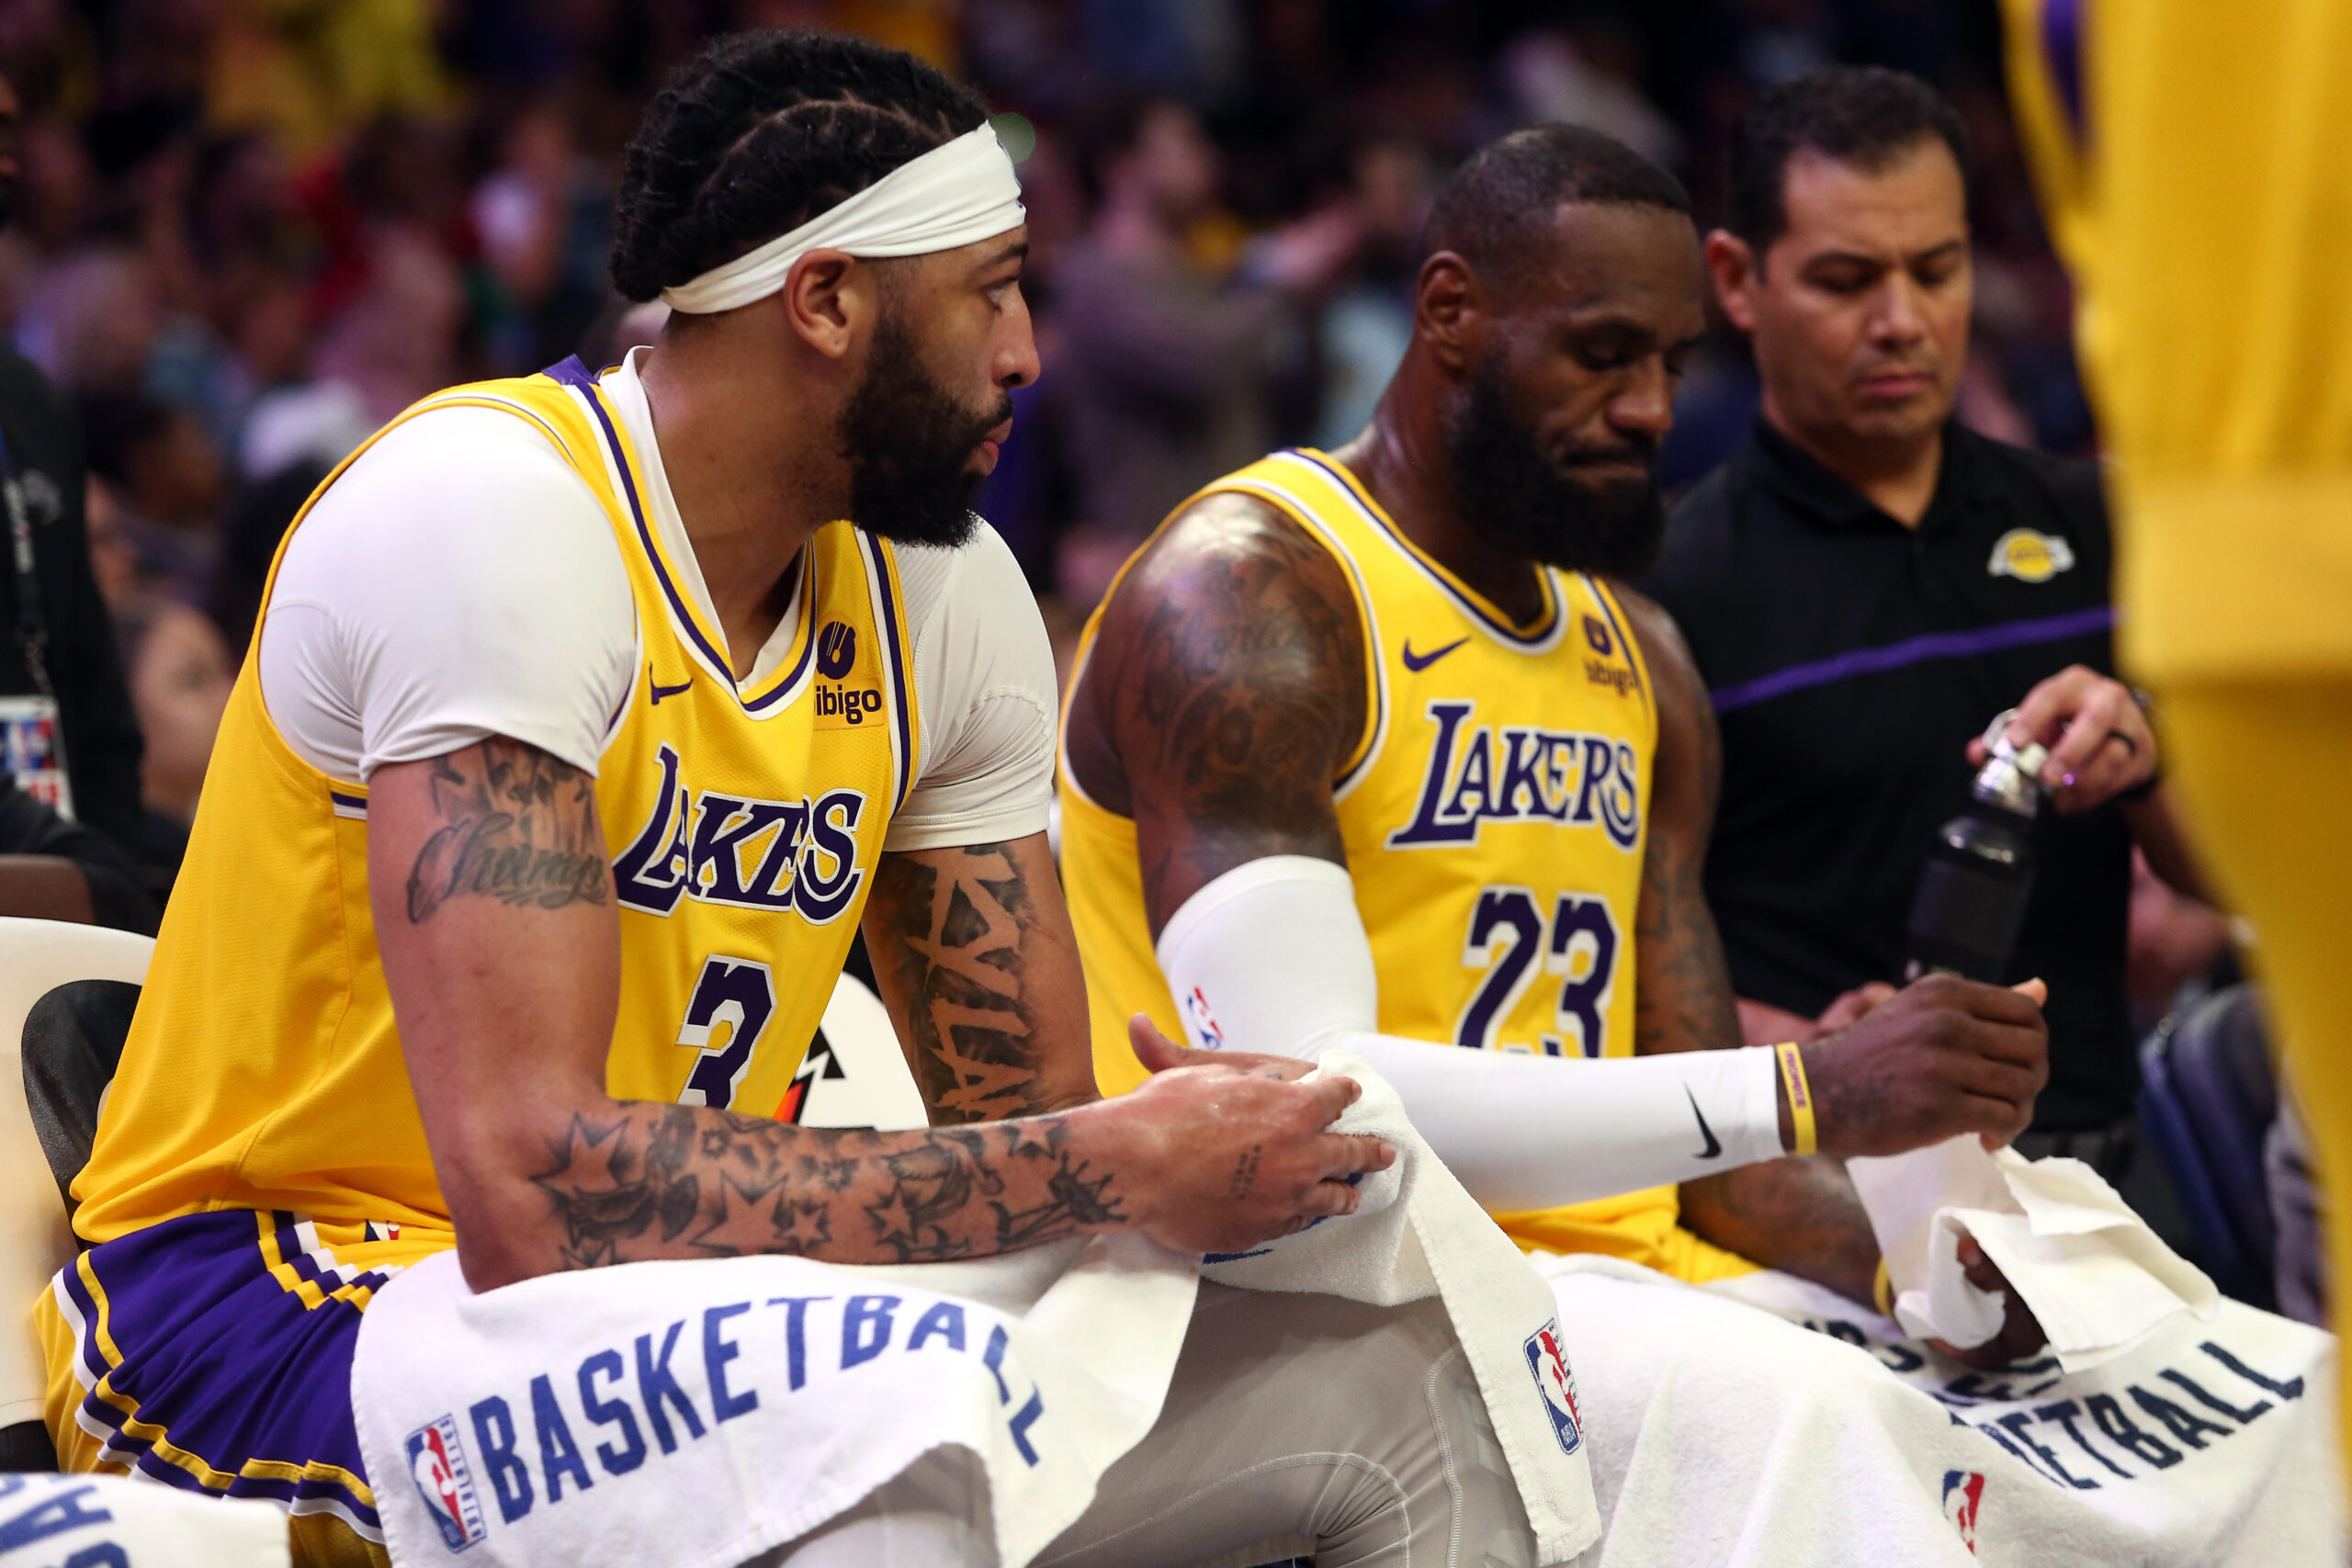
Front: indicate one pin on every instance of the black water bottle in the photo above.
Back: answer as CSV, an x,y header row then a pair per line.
x,y
1973,896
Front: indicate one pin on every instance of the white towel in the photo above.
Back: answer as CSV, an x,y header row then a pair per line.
x,y
112,1521
1764,1422
476,1422
1418,1233
2093,1272
741,1403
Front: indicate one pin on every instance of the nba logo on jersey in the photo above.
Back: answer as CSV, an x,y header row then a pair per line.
x,y
437,1460
1963,1494
1557,1386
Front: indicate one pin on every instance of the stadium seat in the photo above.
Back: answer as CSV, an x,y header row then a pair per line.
x,y
2208,1097
37,958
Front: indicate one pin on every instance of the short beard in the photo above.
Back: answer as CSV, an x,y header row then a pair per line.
x,y
1523,502
909,446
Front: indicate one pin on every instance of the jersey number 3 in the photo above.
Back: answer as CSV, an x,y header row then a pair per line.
x,y
733,999
1507,934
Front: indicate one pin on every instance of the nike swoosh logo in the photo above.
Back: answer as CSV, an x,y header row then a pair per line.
x,y
1712,1148
660,691
1420,661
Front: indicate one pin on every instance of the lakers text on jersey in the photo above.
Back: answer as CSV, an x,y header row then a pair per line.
x,y
743,823
1493,818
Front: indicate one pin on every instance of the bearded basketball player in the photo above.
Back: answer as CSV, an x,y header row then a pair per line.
x,y
578,737
1369,744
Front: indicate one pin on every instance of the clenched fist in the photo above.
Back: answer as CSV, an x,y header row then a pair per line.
x,y
1941,1058
1222,1150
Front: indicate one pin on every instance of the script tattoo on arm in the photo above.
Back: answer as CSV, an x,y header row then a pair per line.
x,y
517,826
1224,693
960,941
647,1180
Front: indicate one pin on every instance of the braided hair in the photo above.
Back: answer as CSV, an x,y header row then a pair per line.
x,y
759,133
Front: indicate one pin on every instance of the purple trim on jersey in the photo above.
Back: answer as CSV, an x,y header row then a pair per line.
x,y
596,400
226,1360
1470,606
569,372
298,1258
356,802
2061,51
883,591
1923,650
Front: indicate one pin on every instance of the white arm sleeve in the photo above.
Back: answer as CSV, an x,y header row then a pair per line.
x,y
458,581
984,687
1272,956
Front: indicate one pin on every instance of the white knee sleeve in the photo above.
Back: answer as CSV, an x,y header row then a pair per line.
x,y
1272,956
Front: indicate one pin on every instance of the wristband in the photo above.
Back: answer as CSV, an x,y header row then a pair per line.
x,y
1883,1290
1800,1098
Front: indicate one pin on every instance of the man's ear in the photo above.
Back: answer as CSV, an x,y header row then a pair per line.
x,y
1737,270
1451,310
829,298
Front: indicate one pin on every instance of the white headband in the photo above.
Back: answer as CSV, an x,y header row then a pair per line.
x,y
951,195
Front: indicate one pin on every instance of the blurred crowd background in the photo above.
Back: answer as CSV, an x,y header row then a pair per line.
x,y
247,231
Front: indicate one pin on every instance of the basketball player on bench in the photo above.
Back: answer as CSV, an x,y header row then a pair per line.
x,y
468,904
1365,748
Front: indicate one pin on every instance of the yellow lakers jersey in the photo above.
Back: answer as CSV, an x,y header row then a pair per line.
x,y
1493,815
263,1068
2190,158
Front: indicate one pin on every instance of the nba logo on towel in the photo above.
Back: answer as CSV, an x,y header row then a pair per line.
x,y
1964,1491
437,1460
1557,1383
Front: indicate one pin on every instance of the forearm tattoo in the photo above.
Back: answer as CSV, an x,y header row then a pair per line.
x,y
648,1180
1801,1216
952,927
517,825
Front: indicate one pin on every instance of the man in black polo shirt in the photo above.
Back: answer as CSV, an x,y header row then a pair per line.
x,y
1866,584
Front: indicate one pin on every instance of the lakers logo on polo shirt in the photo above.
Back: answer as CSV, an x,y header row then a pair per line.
x,y
2029,555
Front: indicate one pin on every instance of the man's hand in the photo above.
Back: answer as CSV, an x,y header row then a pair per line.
x,y
1851,1007
2099,741
1943,1057
1227,1149
2020,1334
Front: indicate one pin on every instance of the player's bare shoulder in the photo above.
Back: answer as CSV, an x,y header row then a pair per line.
x,y
1231,642
1663,648
1688,770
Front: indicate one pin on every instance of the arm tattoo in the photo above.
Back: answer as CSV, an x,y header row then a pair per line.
x,y
1683,998
955,924
1240,693
650,1180
1798,1215
517,825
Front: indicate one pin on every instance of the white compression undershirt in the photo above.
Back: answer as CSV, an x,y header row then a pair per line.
x,y
1278,955
460,580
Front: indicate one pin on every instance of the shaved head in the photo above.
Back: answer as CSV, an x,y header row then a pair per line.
x,y
1498,210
